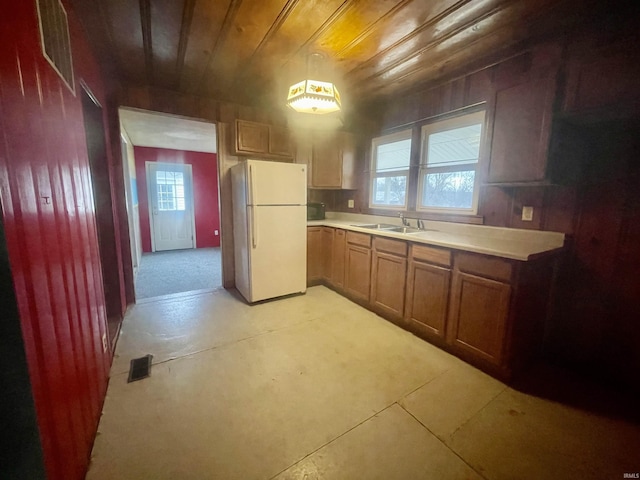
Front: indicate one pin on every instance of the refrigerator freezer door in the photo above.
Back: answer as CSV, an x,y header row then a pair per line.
x,y
275,183
278,251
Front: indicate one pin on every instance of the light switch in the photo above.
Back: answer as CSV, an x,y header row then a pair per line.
x,y
215,232
350,204
527,214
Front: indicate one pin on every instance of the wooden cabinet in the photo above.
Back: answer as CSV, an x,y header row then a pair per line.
x,y
333,160
259,139
389,272
327,252
358,265
338,258
427,293
479,306
605,78
314,255
521,116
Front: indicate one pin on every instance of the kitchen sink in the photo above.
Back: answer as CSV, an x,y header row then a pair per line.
x,y
376,226
404,230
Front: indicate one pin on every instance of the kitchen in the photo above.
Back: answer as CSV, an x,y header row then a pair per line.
x,y
575,80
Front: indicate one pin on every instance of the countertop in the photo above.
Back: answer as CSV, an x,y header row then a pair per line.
x,y
512,243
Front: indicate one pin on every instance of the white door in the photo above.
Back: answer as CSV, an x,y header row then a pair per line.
x,y
171,211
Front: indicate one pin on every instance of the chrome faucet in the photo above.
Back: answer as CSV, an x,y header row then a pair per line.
x,y
405,221
421,224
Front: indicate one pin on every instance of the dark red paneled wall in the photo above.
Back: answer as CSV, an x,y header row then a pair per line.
x,y
205,192
49,220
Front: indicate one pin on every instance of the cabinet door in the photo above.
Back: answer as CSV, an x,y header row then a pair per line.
x,y
521,131
314,254
388,279
338,259
478,317
252,137
427,297
279,141
358,271
326,163
327,252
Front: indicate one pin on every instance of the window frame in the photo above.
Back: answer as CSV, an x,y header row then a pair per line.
x,y
406,134
459,121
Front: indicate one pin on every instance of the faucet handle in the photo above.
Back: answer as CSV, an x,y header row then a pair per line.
x,y
421,224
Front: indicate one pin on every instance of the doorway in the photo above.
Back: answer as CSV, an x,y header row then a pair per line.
x,y
170,190
101,186
172,165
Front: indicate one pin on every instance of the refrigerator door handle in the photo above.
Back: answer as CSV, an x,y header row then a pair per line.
x,y
254,228
251,187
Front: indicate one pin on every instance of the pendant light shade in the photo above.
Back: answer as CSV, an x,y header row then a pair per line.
x,y
313,95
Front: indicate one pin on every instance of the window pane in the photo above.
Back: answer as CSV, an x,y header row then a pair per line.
x,y
393,156
179,178
180,204
454,147
451,189
390,190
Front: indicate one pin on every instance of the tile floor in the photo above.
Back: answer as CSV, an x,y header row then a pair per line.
x,y
316,387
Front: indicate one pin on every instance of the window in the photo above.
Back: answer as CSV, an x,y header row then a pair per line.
x,y
390,170
170,190
448,164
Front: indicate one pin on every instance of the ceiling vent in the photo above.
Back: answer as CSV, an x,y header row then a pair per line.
x,y
54,32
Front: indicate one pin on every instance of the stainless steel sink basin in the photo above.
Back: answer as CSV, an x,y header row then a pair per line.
x,y
404,230
376,226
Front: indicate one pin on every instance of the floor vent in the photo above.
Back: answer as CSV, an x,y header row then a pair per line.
x,y
140,368
56,45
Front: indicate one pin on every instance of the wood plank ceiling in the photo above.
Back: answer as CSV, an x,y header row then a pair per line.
x,y
249,51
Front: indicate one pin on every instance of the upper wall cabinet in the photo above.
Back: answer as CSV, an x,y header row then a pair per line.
x,y
259,139
522,114
331,157
604,79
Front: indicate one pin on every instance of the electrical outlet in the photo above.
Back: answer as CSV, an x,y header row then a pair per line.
x,y
350,204
527,214
104,342
215,232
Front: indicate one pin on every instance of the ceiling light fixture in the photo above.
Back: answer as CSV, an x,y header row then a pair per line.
x,y
312,95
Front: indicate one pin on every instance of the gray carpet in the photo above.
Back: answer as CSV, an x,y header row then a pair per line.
x,y
177,271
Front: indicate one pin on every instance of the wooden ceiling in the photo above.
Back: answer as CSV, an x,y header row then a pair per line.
x,y
249,51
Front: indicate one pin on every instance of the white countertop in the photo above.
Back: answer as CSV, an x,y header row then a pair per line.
x,y
516,244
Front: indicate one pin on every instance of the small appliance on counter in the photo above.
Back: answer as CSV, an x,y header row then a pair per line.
x,y
315,211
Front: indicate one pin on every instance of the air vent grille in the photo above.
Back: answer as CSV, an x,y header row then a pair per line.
x,y
56,45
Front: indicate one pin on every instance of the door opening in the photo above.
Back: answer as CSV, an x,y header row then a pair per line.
x,y
101,186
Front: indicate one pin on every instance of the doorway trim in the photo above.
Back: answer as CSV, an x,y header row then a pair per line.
x,y
189,170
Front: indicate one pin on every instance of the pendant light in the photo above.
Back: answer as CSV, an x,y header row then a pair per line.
x,y
315,94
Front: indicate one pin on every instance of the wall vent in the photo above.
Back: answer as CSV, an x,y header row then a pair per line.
x,y
54,33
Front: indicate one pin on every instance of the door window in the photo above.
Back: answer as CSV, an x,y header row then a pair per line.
x,y
170,190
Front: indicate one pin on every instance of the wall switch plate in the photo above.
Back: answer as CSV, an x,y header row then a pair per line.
x,y
215,232
104,342
350,204
527,214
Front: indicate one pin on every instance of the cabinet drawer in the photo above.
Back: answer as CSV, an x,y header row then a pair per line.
x,y
490,267
397,247
439,256
359,239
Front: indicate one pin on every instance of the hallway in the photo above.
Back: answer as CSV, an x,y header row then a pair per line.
x,y
178,271
316,387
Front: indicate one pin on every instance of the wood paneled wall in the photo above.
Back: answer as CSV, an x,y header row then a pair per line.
x,y
50,225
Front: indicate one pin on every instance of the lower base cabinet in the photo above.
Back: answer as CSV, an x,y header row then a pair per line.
x,y
388,276
488,310
427,299
357,281
315,253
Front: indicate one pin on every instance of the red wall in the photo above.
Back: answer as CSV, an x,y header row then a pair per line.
x,y
205,192
49,219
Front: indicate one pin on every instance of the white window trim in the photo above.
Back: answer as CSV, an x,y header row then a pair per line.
x,y
439,126
375,143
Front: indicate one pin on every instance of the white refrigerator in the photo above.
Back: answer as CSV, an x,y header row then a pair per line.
x,y
269,228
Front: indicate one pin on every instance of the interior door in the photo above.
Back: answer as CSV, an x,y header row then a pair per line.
x,y
171,203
